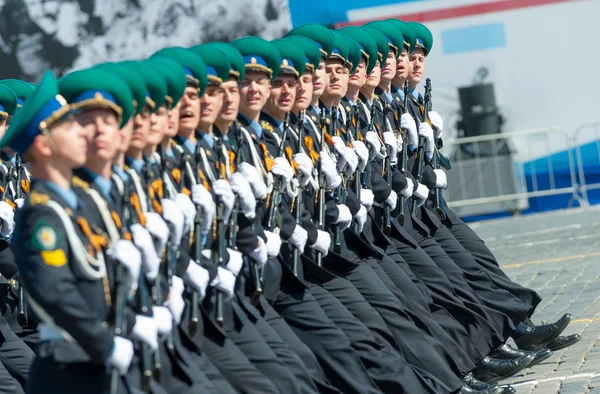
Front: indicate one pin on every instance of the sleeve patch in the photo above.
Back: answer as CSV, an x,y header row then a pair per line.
x,y
44,237
54,258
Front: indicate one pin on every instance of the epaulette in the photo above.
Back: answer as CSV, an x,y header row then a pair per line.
x,y
266,126
36,198
77,181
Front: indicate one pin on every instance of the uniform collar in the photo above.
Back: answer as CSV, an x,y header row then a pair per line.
x,y
120,173
137,165
68,195
253,125
102,184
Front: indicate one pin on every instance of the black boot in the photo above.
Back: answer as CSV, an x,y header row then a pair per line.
x,y
507,352
491,370
536,337
563,342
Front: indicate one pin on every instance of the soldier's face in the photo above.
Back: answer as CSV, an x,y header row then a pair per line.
x,y
254,91
335,71
210,105
125,136
173,121
320,79
231,100
374,77
417,66
69,145
141,129
158,125
388,71
359,76
102,128
304,92
189,111
283,93
402,66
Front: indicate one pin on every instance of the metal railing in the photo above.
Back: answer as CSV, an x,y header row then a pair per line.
x,y
489,175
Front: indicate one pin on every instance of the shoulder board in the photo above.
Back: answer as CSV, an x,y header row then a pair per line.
x,y
266,126
77,181
37,198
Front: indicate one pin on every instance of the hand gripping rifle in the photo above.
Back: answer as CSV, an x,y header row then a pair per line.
x,y
387,169
340,193
299,197
278,185
422,142
321,191
22,318
218,255
404,156
195,303
352,133
437,159
366,179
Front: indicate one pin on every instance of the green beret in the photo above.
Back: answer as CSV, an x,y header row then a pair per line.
x,y
136,83
318,33
217,63
97,88
341,48
423,37
8,102
259,55
367,45
238,68
43,108
193,65
293,60
173,75
21,89
355,54
382,44
156,87
311,51
407,32
392,34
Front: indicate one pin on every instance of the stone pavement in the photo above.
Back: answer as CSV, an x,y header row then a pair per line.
x,y
558,255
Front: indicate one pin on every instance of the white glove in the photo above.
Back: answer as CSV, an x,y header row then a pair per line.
x,y
255,179
163,318
189,211
197,277
242,188
273,244
421,192
175,304
441,182
427,132
367,198
344,218
7,219
225,282
146,330
299,238
408,123
20,202
203,199
305,165
361,218
122,354
127,254
437,122
159,230
373,139
351,160
332,178
408,190
260,254
283,168
340,147
392,200
173,214
143,240
236,260
322,243
222,189
362,152
392,146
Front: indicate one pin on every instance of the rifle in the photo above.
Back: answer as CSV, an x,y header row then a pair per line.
x,y
404,157
437,202
321,192
195,312
421,150
387,174
146,304
22,307
366,181
218,256
353,136
278,186
340,193
120,296
299,200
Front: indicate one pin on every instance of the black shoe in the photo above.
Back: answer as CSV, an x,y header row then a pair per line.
x,y
471,381
563,342
470,390
507,389
537,337
507,352
491,370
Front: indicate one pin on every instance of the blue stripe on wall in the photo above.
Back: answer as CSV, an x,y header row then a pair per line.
x,y
473,38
